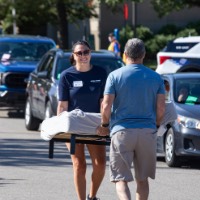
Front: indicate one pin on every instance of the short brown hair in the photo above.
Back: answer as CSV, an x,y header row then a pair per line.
x,y
135,48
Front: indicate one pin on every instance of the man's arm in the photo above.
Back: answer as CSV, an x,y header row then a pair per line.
x,y
106,108
105,115
160,108
62,106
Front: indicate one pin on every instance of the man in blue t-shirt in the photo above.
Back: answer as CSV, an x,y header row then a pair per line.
x,y
133,107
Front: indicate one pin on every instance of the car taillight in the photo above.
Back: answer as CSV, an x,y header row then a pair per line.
x,y
162,59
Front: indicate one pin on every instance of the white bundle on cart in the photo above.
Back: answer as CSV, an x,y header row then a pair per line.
x,y
74,122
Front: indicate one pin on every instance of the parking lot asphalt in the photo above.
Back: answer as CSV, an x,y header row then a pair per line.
x,y
26,172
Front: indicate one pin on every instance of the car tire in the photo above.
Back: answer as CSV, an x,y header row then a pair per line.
x,y
170,157
31,122
48,110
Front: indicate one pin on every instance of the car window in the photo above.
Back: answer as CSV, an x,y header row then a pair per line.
x,y
25,50
109,64
187,91
50,66
167,90
179,47
62,64
47,64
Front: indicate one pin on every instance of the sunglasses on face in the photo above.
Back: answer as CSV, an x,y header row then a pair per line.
x,y
82,53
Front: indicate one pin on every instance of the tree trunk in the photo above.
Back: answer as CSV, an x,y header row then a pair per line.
x,y
62,24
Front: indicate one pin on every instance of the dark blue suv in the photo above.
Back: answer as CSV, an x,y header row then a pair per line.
x,y
19,56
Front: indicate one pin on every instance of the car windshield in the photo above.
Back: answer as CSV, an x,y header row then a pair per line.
x,y
28,51
179,47
187,91
62,64
109,64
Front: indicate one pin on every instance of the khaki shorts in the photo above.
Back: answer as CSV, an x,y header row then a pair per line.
x,y
137,146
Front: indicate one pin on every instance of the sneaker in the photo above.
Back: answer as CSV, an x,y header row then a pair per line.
x,y
94,198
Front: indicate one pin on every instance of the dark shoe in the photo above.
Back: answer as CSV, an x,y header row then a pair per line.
x,y
94,198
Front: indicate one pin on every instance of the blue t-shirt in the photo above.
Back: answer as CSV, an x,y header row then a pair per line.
x,y
82,90
135,88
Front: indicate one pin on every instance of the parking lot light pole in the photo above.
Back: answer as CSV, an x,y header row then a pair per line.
x,y
14,18
134,17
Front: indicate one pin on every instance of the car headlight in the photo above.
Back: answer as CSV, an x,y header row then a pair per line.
x,y
189,122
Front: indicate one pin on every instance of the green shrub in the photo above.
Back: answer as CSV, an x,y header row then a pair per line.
x,y
187,32
156,44
194,25
125,33
169,29
144,33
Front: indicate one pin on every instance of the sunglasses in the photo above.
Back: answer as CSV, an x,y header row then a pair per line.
x,y
82,53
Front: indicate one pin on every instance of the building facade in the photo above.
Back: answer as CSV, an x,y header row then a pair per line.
x,y
138,14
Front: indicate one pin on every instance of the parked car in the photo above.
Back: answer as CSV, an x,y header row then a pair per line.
x,y
19,56
180,55
181,141
41,92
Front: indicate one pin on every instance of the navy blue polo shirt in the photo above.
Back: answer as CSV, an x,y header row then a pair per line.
x,y
82,90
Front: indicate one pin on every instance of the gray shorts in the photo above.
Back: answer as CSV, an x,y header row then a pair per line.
x,y
137,146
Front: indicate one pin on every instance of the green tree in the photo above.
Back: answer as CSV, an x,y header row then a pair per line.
x,y
71,11
29,14
164,7
32,16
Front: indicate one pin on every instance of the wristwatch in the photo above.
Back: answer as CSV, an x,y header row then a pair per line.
x,y
105,125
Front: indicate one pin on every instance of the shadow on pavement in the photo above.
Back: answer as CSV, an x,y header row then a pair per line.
x,y
187,163
16,114
12,113
21,152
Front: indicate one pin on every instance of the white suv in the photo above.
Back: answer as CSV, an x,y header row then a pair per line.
x,y
180,55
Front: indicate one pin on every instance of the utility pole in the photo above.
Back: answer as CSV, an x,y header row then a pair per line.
x,y
84,30
134,17
14,18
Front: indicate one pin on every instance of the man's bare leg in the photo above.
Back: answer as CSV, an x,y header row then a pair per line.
x,y
123,191
142,191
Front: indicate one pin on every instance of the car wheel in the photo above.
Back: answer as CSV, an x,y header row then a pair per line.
x,y
31,122
170,157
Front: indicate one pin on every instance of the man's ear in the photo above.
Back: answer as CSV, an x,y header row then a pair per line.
x,y
125,54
